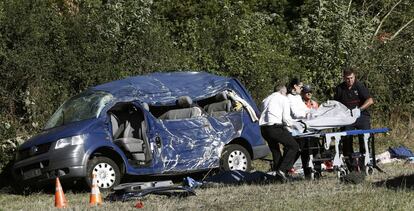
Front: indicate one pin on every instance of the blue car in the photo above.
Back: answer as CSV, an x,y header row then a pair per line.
x,y
156,124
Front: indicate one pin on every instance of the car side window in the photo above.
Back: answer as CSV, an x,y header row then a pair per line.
x,y
220,104
184,108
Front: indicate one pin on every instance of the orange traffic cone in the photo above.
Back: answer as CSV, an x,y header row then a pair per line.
x,y
60,200
95,197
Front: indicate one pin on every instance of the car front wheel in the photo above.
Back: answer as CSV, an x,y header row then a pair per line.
x,y
107,173
235,157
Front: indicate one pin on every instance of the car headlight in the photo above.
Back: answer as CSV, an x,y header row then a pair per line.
x,y
70,141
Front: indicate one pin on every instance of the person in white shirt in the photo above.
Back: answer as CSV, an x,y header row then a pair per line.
x,y
298,108
274,118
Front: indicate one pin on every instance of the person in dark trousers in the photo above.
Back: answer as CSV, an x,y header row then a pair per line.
x,y
274,119
353,94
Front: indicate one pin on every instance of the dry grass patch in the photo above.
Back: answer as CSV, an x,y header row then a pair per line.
x,y
391,191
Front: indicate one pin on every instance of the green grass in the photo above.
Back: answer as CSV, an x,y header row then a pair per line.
x,y
378,192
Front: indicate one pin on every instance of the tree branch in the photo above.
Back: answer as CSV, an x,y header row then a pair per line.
x,y
399,30
385,17
377,14
349,7
320,8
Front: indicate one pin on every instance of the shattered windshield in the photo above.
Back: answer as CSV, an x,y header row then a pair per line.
x,y
86,105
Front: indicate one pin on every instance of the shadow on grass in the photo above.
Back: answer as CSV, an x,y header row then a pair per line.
x,y
9,186
401,182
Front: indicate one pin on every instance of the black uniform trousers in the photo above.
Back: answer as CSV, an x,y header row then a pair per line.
x,y
275,135
362,123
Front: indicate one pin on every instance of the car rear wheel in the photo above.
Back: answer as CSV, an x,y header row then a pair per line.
x,y
107,173
235,157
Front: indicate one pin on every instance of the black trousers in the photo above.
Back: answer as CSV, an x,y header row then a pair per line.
x,y
362,123
308,146
275,135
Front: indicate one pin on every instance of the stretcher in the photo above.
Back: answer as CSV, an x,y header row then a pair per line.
x,y
327,139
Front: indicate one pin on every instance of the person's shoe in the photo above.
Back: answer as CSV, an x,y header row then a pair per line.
x,y
272,173
282,175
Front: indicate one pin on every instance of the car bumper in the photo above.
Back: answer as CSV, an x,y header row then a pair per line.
x,y
65,163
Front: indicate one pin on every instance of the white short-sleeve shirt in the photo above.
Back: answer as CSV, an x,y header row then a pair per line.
x,y
275,110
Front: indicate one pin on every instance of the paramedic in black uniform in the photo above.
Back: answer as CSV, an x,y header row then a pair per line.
x,y
353,94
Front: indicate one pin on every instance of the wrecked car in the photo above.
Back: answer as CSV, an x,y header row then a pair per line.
x,y
156,124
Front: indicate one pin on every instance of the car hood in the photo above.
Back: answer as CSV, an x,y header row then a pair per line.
x,y
54,134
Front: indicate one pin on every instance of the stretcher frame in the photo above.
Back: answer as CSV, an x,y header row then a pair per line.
x,y
338,158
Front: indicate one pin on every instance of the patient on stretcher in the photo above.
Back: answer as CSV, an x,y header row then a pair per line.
x,y
331,114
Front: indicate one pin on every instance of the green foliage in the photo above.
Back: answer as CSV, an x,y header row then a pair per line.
x,y
233,39
51,50
332,36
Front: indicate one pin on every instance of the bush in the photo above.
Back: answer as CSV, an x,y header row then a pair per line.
x,y
51,50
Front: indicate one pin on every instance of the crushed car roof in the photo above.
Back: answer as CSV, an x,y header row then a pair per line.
x,y
164,88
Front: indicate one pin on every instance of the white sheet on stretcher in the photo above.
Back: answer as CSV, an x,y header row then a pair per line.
x,y
331,114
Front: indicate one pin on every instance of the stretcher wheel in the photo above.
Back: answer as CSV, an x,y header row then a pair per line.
x,y
369,170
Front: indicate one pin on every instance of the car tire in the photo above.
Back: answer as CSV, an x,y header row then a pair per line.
x,y
235,157
107,173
